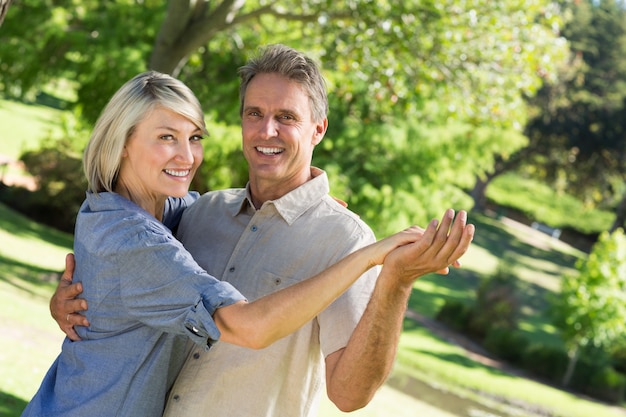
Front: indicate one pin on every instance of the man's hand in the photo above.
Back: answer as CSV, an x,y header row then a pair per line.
x,y
432,252
64,305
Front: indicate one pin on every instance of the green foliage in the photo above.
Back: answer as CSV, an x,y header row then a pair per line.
x,y
57,168
591,306
401,173
545,361
496,303
474,62
578,124
507,344
454,314
97,45
608,385
61,182
224,165
423,94
542,203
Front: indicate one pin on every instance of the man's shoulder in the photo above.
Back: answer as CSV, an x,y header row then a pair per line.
x,y
342,220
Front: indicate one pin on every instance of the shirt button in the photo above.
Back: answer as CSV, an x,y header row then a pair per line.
x,y
254,228
231,269
196,355
176,397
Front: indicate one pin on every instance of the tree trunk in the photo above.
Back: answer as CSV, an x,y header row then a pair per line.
x,y
479,192
4,8
500,166
620,215
189,25
571,366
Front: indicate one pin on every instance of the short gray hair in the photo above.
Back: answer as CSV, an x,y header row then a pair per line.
x,y
292,64
126,109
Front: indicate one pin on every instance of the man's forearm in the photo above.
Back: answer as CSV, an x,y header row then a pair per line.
x,y
363,366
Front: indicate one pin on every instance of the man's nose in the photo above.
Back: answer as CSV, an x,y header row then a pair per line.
x,y
269,127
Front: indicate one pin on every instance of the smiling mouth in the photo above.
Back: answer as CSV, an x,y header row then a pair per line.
x,y
269,151
177,173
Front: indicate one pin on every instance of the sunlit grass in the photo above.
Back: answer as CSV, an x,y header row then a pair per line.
x,y
429,358
27,123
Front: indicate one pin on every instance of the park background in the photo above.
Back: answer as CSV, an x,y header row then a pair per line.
x,y
513,110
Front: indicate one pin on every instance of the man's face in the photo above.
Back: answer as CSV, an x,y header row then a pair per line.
x,y
278,132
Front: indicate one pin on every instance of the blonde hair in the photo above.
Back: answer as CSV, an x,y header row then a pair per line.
x,y
126,109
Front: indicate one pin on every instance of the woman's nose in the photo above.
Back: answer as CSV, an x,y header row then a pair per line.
x,y
185,153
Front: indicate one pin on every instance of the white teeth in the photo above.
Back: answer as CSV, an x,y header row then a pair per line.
x,y
268,151
178,173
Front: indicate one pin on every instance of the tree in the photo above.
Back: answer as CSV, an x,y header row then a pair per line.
x,y
427,91
590,310
478,58
576,129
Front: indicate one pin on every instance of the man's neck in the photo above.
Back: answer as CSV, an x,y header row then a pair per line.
x,y
268,190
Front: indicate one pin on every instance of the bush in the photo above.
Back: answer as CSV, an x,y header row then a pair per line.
x,y
61,185
454,314
507,344
608,385
545,361
497,305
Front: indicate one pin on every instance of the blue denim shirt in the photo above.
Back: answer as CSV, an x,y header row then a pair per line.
x,y
146,297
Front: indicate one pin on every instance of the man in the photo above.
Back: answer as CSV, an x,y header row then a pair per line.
x,y
282,228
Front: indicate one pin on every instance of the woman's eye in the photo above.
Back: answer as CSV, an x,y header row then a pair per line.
x,y
166,137
196,138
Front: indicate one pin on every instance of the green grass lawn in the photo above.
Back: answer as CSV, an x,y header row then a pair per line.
x,y
24,125
31,256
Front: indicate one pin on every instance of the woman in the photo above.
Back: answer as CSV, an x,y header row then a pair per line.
x,y
146,294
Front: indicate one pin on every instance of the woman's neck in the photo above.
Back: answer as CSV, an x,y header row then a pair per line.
x,y
152,204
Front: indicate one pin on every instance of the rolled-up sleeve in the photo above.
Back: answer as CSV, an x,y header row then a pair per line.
x,y
165,288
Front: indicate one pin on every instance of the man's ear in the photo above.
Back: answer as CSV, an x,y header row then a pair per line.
x,y
320,131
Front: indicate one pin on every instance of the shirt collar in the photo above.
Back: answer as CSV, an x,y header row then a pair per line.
x,y
293,204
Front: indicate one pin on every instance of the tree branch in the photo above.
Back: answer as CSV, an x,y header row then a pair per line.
x,y
4,8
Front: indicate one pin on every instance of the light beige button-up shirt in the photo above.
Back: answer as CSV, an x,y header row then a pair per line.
x,y
260,251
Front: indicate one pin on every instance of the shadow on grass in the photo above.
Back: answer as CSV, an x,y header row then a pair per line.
x,y
11,406
459,285
508,246
19,225
17,274
44,99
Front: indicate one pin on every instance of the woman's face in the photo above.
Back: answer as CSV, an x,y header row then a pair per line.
x,y
161,156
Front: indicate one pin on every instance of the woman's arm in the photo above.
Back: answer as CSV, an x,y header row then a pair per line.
x,y
264,321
